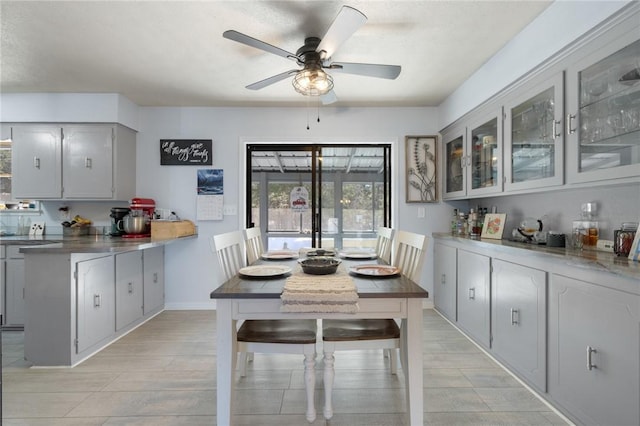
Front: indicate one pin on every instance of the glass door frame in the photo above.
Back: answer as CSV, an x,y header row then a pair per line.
x,y
316,179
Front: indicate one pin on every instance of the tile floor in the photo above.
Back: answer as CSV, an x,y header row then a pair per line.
x,y
163,373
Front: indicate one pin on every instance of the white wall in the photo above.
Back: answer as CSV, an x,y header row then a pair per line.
x,y
192,271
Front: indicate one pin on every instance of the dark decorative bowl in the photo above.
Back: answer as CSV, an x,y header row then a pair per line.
x,y
320,265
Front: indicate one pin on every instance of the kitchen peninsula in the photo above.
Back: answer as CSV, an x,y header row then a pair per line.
x,y
83,293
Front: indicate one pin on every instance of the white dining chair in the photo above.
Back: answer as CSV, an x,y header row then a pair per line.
x,y
268,336
254,244
361,334
384,241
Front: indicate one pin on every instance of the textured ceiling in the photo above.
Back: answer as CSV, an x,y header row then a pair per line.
x,y
172,53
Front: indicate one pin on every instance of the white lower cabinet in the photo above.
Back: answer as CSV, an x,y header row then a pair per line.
x,y
594,352
518,319
153,265
445,280
96,307
78,303
14,288
128,288
474,279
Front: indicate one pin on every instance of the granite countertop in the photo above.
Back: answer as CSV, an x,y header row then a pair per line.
x,y
592,260
84,244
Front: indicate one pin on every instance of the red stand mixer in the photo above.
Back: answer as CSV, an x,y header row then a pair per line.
x,y
137,224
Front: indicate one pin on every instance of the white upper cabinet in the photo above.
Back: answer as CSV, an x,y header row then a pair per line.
x,y
603,117
83,161
473,157
36,161
87,161
534,137
574,120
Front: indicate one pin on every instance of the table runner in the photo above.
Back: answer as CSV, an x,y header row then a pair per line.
x,y
319,293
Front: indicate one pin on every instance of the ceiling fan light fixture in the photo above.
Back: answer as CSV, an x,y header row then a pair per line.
x,y
312,82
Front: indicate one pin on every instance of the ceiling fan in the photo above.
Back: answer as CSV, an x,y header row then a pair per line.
x,y
315,55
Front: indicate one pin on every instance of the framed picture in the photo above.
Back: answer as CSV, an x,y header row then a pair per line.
x,y
493,226
421,173
634,254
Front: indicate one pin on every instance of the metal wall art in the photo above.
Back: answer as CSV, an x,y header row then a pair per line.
x,y
421,171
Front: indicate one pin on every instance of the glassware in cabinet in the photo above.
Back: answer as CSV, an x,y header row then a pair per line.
x,y
534,136
604,120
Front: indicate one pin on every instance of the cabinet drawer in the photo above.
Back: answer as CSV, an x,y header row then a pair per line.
x,y
13,252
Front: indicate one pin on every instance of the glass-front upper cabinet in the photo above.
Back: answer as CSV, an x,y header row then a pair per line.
x,y
473,157
603,120
454,164
533,136
484,158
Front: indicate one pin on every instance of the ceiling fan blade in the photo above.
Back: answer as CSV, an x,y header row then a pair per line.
x,y
258,44
346,23
371,70
329,98
269,81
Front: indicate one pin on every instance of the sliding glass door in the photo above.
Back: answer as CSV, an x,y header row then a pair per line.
x,y
318,195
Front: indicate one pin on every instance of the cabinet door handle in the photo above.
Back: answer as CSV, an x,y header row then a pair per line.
x,y
36,162
443,279
130,288
96,300
515,316
570,119
155,277
472,293
87,162
554,128
590,364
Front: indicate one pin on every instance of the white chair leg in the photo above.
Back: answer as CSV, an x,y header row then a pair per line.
x,y
242,364
329,374
310,384
393,360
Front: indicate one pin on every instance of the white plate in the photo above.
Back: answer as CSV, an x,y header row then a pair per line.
x,y
279,255
358,255
264,270
375,270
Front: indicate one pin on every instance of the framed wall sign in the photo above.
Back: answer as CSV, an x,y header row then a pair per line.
x,y
186,152
421,173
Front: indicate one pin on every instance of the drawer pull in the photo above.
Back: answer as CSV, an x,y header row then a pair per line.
x,y
155,277
590,364
130,288
443,279
515,316
96,300
36,162
87,162
472,293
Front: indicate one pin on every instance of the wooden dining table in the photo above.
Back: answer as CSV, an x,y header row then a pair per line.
x,y
242,298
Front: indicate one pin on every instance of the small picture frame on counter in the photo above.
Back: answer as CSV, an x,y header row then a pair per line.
x,y
493,226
